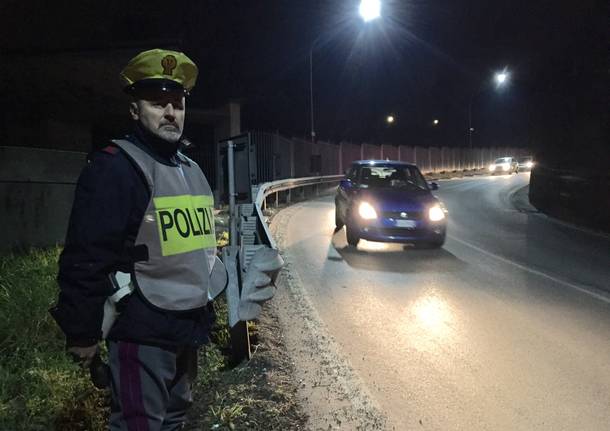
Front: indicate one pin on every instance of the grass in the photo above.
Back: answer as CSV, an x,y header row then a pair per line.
x,y
40,387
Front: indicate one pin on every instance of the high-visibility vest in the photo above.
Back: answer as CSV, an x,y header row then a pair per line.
x,y
178,230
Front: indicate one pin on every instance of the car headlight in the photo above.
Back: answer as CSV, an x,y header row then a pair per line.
x,y
492,167
505,167
436,213
529,164
366,211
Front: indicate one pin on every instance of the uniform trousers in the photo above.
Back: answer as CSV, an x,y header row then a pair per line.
x,y
151,386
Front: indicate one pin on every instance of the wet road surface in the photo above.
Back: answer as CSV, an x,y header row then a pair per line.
x,y
507,327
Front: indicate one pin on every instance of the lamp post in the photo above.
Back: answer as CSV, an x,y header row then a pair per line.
x,y
313,130
369,10
501,79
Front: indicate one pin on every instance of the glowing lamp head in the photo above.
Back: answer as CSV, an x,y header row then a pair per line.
x,y
501,78
370,9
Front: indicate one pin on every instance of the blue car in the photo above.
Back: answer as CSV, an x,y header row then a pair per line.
x,y
389,201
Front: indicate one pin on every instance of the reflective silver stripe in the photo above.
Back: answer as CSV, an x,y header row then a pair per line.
x,y
176,282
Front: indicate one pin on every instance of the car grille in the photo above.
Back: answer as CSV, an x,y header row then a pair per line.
x,y
411,215
396,231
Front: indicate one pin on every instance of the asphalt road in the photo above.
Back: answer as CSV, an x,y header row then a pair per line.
x,y
507,327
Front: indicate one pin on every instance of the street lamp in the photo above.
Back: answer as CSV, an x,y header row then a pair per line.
x,y
435,122
369,10
501,79
389,119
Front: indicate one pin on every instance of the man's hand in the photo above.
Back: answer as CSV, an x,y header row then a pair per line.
x,y
83,355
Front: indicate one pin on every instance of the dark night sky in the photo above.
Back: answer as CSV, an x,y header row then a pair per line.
x,y
422,60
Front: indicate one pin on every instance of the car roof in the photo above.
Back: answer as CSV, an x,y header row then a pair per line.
x,y
373,162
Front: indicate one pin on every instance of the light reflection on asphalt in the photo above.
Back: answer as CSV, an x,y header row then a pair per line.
x,y
428,325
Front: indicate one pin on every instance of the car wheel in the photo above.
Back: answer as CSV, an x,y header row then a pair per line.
x,y
352,237
437,244
338,222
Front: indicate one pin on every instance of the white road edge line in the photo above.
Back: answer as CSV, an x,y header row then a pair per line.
x,y
588,290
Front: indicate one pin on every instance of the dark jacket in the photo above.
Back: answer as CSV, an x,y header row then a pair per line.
x,y
109,204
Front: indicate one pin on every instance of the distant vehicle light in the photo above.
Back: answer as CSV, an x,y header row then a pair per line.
x,y
367,211
529,164
436,213
492,167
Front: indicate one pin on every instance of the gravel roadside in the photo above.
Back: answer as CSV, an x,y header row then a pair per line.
x,y
329,391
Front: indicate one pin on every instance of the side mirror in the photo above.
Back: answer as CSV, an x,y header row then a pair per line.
x,y
346,184
433,186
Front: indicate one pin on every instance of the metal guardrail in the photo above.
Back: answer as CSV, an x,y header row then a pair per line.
x,y
251,233
262,191
267,189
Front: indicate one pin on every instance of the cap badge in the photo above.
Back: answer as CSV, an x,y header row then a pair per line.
x,y
169,63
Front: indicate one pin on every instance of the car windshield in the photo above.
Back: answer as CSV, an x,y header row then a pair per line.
x,y
395,177
502,160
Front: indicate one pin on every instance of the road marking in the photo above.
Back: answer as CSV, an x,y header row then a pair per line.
x,y
589,290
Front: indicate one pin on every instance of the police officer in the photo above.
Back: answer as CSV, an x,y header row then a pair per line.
x,y
143,209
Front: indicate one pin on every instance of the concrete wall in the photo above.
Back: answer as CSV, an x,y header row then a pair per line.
x,y
294,156
581,196
36,194
371,152
348,152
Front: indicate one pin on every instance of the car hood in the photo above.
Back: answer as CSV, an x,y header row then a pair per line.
x,y
397,200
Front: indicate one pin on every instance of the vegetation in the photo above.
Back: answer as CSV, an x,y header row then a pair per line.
x,y
41,388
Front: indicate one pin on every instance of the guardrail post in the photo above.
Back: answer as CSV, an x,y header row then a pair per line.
x,y
240,339
277,199
288,196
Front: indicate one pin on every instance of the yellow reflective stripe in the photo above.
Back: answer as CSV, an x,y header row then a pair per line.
x,y
185,223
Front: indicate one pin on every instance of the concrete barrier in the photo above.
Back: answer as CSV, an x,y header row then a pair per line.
x,y
579,197
36,194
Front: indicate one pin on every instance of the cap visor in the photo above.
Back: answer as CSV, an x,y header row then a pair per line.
x,y
151,87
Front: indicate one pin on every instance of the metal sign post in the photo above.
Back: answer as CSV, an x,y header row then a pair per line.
x,y
247,234
231,173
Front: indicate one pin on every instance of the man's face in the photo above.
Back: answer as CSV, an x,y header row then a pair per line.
x,y
161,114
